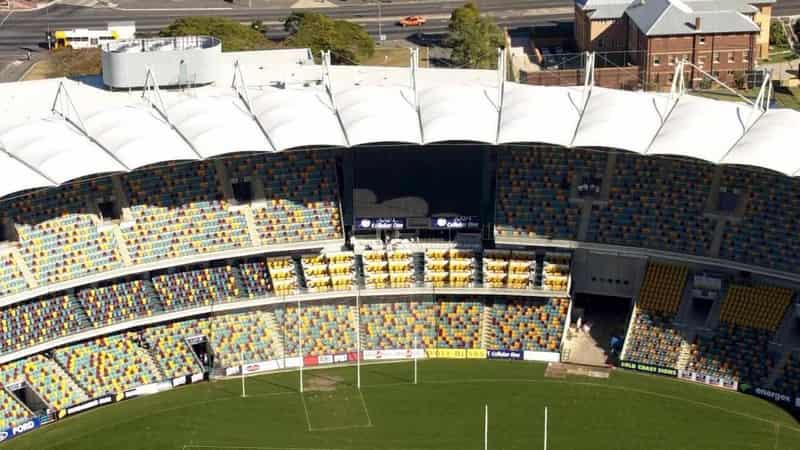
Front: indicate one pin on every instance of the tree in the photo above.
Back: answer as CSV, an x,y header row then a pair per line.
x,y
347,41
234,36
777,35
474,39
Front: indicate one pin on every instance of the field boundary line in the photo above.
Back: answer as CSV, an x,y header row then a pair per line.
x,y
618,388
305,408
366,410
130,419
248,447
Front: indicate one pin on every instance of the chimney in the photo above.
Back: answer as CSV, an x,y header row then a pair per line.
x,y
697,23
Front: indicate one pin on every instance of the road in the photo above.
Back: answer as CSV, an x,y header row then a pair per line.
x,y
26,29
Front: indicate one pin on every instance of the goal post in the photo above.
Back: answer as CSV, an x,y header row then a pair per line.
x,y
241,372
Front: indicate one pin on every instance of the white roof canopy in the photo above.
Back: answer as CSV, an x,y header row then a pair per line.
x,y
118,131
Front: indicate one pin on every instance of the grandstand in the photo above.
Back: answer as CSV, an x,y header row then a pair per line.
x,y
159,259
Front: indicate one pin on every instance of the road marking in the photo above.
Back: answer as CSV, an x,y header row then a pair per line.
x,y
6,18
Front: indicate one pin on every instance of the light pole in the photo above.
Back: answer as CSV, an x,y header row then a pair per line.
x,y
380,20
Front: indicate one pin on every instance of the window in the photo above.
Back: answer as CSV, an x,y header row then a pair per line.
x,y
731,58
701,61
702,40
672,60
716,58
656,60
745,57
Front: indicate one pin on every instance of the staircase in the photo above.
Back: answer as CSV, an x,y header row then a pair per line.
x,y
713,316
252,230
154,356
586,217
716,241
68,376
776,371
80,313
486,325
684,355
611,164
418,262
224,179
121,245
23,267
278,349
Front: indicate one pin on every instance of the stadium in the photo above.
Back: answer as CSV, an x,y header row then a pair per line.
x,y
269,253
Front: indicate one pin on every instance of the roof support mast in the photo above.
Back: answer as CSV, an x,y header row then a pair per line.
x,y
588,84
152,95
63,106
502,71
760,107
414,66
240,87
676,91
326,80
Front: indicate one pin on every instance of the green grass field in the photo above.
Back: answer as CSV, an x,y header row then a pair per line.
x,y
444,411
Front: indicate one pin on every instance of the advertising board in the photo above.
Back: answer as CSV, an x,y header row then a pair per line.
x,y
530,355
649,368
11,432
505,354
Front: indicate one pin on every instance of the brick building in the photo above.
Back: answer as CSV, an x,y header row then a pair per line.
x,y
722,37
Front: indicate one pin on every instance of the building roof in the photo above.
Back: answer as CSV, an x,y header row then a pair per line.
x,y
281,107
675,17
670,17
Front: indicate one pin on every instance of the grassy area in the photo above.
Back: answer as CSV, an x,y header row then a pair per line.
x,y
395,57
444,411
784,97
66,63
781,54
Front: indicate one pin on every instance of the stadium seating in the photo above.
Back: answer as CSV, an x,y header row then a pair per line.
x,y
401,269
398,325
197,287
326,328
250,335
459,323
533,188
300,196
766,234
12,412
788,376
376,269
30,323
171,351
283,273
758,307
109,365
11,278
58,232
662,288
654,340
255,278
324,272
736,352
656,203
506,269
527,324
178,210
449,268
119,302
555,271
47,379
